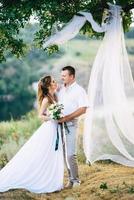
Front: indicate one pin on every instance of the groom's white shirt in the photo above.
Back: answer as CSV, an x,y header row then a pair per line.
x,y
72,97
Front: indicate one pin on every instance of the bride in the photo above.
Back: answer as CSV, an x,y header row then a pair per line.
x,y
37,166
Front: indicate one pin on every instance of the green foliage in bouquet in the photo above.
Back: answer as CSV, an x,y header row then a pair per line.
x,y
55,111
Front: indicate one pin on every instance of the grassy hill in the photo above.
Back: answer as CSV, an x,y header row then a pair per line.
x,y
103,180
106,181
79,53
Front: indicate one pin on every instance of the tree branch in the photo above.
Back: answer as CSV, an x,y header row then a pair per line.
x,y
7,3
127,8
104,4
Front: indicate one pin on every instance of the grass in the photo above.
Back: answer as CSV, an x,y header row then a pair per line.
x,y
13,135
85,50
102,180
99,181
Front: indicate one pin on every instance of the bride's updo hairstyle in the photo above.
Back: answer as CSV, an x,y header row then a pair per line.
x,y
43,88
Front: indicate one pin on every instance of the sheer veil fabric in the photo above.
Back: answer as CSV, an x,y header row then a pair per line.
x,y
109,121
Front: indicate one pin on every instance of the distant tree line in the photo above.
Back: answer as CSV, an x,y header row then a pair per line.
x,y
130,34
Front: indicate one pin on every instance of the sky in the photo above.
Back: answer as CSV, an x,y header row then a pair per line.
x,y
133,18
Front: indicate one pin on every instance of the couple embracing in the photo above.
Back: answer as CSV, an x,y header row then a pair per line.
x,y
38,166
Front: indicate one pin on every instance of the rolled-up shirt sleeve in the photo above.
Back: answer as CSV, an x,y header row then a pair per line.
x,y
83,100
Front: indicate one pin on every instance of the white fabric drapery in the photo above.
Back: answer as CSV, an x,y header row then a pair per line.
x,y
109,122
72,29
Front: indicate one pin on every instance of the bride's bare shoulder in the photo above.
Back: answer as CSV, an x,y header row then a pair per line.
x,y
45,101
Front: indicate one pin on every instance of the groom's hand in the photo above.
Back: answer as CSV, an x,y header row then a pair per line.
x,y
73,115
63,119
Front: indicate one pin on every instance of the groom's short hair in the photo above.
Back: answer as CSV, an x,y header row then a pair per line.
x,y
70,69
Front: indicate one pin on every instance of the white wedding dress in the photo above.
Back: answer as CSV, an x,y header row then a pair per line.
x,y
37,166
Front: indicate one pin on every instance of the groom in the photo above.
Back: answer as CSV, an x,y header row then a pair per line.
x,y
74,99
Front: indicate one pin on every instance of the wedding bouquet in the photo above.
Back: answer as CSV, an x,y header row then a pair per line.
x,y
55,111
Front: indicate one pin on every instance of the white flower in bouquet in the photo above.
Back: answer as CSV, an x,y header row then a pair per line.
x,y
55,111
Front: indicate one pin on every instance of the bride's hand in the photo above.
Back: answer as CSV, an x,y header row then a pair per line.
x,y
44,118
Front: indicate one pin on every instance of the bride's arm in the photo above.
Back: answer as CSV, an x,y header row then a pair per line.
x,y
42,110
